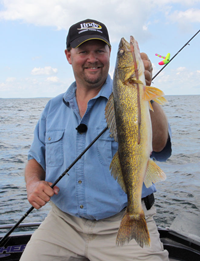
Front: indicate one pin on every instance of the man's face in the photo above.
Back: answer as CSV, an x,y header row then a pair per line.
x,y
90,62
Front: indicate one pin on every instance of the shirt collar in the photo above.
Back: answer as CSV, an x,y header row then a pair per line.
x,y
104,92
70,93
106,89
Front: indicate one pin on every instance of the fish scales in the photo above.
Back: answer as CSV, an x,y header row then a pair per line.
x,y
131,127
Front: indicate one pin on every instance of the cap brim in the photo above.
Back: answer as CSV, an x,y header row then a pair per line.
x,y
77,42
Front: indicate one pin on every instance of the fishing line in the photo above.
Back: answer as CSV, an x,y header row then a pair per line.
x,y
5,239
175,55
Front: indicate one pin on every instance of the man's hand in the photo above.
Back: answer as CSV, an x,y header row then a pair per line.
x,y
148,68
40,192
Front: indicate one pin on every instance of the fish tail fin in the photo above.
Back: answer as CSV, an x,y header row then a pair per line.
x,y
133,226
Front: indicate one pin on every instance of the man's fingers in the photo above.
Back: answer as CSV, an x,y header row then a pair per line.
x,y
41,194
148,68
38,203
55,188
38,200
148,77
144,56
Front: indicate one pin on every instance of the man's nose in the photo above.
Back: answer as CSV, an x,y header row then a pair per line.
x,y
92,57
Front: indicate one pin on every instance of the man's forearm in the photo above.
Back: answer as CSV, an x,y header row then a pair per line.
x,y
34,171
159,127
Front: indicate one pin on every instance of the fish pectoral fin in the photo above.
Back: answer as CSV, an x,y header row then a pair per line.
x,y
133,80
161,100
116,171
153,93
110,117
154,174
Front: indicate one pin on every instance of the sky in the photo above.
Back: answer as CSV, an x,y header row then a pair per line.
x,y
33,39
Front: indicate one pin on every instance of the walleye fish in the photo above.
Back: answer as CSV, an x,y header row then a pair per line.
x,y
128,118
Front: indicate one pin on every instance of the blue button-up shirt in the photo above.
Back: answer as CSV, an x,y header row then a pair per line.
x,y
89,191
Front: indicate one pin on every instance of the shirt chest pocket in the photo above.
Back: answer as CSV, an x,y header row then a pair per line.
x,y
106,147
54,148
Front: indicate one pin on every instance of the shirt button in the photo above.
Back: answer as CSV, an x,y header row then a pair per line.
x,y
81,206
80,181
49,138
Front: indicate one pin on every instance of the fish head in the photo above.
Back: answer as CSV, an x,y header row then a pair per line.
x,y
124,69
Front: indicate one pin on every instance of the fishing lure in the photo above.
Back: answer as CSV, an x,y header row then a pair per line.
x,y
166,59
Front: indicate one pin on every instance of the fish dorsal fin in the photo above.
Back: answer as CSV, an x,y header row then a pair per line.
x,y
116,171
154,174
153,93
110,117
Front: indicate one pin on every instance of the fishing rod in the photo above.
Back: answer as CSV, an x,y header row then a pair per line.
x,y
5,238
175,55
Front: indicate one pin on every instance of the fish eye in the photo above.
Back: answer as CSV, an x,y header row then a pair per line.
x,y
121,52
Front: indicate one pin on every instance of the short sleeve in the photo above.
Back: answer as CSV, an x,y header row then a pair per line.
x,y
166,152
37,150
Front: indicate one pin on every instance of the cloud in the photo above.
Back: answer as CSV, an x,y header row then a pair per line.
x,y
36,58
180,70
33,87
190,15
48,70
127,16
53,79
10,79
2,86
119,16
179,81
183,2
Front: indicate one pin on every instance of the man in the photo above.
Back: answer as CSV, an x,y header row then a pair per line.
x,y
87,204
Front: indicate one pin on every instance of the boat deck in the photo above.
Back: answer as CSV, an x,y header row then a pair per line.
x,y
179,246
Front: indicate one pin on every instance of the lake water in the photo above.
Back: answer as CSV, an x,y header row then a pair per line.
x,y
180,192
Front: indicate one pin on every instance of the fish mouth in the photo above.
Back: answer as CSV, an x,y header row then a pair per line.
x,y
123,46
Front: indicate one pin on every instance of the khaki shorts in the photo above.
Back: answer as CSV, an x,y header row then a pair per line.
x,y
62,237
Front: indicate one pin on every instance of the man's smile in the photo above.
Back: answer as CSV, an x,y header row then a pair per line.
x,y
93,67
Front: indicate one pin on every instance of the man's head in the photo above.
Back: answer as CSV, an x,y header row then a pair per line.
x,y
86,30
88,51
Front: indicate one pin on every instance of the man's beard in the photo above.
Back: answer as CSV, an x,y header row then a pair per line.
x,y
93,81
89,79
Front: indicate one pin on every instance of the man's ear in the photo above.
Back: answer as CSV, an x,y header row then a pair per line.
x,y
68,56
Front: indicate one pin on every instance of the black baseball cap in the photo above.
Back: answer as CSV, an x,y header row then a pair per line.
x,y
86,30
